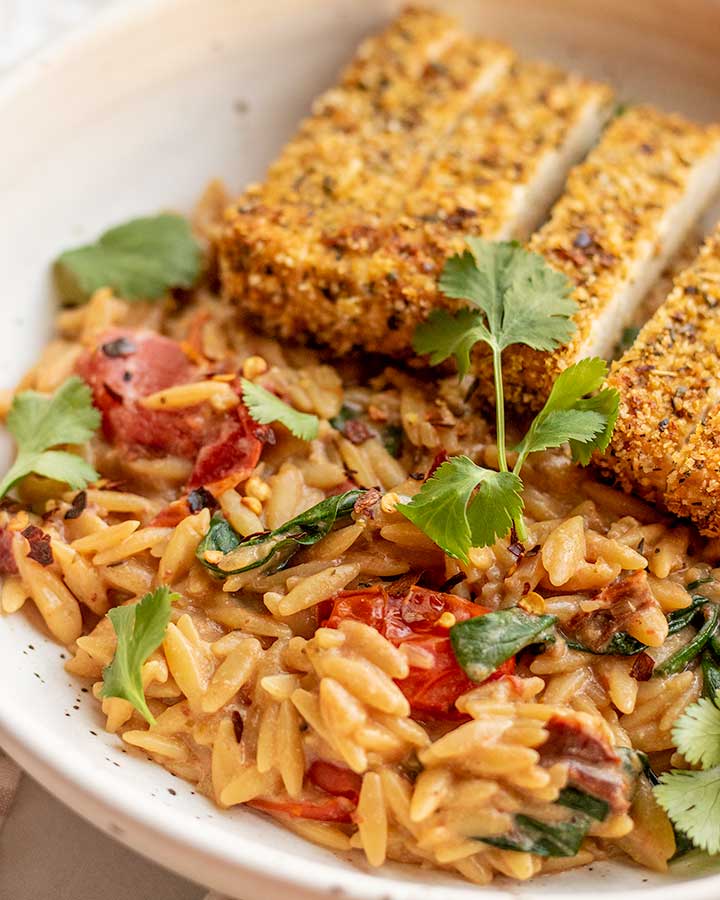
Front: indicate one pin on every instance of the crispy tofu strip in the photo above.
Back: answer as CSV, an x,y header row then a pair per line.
x,y
365,147
667,381
367,280
369,137
694,486
682,429
504,165
625,212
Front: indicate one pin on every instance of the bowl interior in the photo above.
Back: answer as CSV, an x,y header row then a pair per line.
x,y
136,115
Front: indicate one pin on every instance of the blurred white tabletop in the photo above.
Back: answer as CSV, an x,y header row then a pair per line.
x,y
46,851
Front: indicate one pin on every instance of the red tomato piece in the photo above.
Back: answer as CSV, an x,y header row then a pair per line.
x,y
231,457
335,780
413,618
333,809
127,365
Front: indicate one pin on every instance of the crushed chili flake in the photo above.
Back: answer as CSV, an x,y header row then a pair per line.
x,y
7,560
200,498
121,347
440,458
238,725
79,502
452,582
516,550
356,431
40,549
642,667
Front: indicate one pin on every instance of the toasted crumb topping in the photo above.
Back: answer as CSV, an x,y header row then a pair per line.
x,y
667,380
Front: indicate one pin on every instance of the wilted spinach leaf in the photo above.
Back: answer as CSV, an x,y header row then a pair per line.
x,y
484,643
530,835
274,549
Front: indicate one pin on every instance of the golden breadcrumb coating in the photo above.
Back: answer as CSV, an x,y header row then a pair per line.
x,y
667,380
355,262
666,444
605,228
694,485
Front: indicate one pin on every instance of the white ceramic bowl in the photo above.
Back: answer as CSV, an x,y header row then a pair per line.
x,y
136,114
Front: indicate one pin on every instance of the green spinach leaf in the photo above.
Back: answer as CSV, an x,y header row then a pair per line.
x,y
484,643
711,676
583,803
557,839
684,656
272,549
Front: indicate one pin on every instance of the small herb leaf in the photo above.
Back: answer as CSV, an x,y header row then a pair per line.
x,y
482,644
569,415
445,335
139,260
697,734
39,423
525,300
140,629
463,505
692,801
265,407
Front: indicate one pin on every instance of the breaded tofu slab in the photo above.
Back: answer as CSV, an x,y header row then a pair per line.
x,y
666,444
424,140
624,214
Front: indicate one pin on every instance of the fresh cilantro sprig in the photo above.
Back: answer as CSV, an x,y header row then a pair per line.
x,y
574,414
513,297
39,423
463,505
691,798
140,629
139,260
265,407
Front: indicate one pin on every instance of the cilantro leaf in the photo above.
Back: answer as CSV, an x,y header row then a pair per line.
x,y
692,801
140,630
525,300
265,407
697,734
571,416
444,335
463,505
38,423
139,260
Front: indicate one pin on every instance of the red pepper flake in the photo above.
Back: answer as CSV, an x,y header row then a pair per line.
x,y
77,507
642,667
40,549
440,458
356,431
120,347
7,560
238,725
517,551
200,498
